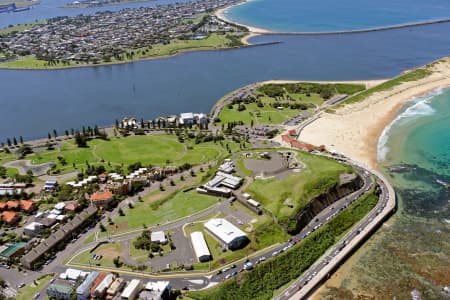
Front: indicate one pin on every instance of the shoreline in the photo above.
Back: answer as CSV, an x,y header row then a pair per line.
x,y
355,129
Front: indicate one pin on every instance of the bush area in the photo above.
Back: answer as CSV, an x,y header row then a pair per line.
x,y
410,76
273,274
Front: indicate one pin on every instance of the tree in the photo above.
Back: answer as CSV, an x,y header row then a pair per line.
x,y
55,134
80,140
14,141
102,227
21,139
121,213
49,136
8,142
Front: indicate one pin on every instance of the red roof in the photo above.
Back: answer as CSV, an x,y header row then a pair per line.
x,y
27,205
3,205
97,281
292,132
72,206
9,216
12,204
101,196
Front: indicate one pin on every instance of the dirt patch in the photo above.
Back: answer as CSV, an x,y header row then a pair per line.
x,y
110,251
120,226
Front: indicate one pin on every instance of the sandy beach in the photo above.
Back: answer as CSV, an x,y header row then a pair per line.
x,y
354,129
220,13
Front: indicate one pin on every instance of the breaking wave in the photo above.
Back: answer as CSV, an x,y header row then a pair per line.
x,y
420,107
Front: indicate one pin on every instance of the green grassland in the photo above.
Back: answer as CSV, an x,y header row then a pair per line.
x,y
108,251
19,27
180,205
157,150
28,291
269,276
212,42
276,103
318,176
410,76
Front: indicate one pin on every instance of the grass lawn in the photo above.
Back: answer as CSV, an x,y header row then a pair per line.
x,y
319,175
109,252
214,41
179,206
157,150
28,291
142,255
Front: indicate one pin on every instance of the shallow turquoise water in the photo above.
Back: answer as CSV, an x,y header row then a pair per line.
x,y
331,15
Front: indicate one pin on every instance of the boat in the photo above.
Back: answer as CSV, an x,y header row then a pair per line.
x,y
443,183
400,168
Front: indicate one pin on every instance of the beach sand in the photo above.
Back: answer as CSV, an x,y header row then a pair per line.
x,y
253,30
355,128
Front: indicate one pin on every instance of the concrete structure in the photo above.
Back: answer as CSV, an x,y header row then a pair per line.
x,y
63,233
158,237
83,289
200,247
227,233
59,290
33,229
132,289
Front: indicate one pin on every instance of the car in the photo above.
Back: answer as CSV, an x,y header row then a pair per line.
x,y
275,253
228,276
36,296
234,273
241,270
248,266
219,272
20,285
226,269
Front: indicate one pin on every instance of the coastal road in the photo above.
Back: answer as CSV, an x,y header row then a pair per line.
x,y
321,270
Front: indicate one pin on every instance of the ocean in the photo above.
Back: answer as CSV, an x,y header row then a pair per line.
x,y
409,255
331,15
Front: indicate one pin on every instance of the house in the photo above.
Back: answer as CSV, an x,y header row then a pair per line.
x,y
10,217
98,280
101,198
132,289
13,251
73,275
3,206
63,233
200,247
155,290
71,206
13,205
59,290
84,288
115,287
27,206
33,229
158,237
187,119
227,233
50,185
101,288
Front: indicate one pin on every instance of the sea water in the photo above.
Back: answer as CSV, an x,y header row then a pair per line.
x,y
410,252
332,15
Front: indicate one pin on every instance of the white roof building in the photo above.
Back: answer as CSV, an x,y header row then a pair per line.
x,y
73,274
158,237
130,292
226,232
200,247
60,206
154,290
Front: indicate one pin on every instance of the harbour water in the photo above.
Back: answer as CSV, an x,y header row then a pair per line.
x,y
39,101
331,15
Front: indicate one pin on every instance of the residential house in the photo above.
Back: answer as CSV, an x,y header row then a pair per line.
x,y
101,198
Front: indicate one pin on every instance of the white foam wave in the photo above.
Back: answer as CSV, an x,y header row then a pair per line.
x,y
420,108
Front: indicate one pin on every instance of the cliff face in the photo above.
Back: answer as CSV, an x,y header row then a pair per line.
x,y
349,183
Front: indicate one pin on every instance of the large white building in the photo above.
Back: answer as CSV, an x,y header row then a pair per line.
x,y
132,289
227,233
200,247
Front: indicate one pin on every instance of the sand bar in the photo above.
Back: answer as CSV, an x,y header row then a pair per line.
x,y
354,129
